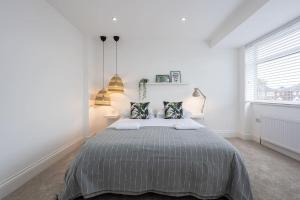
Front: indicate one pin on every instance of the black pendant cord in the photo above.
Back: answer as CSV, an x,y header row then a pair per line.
x,y
103,65
116,38
116,58
103,38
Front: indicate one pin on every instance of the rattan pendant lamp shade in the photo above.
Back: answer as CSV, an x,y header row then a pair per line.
x,y
116,84
102,98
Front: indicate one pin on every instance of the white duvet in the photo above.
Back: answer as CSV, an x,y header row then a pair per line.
x,y
126,123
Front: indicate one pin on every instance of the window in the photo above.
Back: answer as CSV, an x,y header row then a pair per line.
x,y
273,66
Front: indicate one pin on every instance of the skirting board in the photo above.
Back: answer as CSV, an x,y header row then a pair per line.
x,y
267,144
17,180
226,134
281,150
251,137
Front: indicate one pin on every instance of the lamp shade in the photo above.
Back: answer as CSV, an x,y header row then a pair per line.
x,y
197,93
102,98
116,84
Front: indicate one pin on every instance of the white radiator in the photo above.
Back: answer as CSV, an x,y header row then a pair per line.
x,y
281,132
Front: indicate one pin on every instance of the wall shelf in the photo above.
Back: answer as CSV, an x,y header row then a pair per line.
x,y
154,83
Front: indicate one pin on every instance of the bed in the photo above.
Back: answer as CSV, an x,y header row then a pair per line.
x,y
158,158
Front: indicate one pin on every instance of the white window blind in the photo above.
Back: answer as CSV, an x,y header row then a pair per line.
x,y
273,66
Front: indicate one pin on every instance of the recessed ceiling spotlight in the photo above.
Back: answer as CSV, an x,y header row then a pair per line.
x,y
183,19
114,19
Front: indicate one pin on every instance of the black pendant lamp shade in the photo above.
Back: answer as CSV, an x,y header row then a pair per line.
x,y
102,98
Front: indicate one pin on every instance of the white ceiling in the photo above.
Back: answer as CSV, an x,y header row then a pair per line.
x,y
160,19
272,15
147,18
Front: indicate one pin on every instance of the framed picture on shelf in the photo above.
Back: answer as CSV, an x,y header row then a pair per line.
x,y
175,76
165,78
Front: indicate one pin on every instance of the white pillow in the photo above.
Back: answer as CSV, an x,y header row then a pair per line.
x,y
186,114
126,126
188,126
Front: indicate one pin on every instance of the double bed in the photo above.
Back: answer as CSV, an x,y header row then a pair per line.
x,y
156,157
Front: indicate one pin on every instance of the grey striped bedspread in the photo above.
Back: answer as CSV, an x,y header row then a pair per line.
x,y
160,160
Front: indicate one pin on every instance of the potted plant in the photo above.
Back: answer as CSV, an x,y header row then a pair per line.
x,y
143,88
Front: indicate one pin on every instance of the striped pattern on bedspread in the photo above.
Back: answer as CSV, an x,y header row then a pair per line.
x,y
161,160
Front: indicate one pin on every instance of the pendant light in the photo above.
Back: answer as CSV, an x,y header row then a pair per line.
x,y
102,98
116,84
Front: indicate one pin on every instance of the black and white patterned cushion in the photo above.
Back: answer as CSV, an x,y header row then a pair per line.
x,y
139,110
173,110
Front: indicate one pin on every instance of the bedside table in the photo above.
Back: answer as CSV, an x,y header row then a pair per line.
x,y
111,118
198,117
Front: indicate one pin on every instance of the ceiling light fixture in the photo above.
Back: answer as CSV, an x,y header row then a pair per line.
x,y
114,19
183,19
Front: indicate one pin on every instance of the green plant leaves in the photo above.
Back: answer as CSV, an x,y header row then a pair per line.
x,y
139,110
173,110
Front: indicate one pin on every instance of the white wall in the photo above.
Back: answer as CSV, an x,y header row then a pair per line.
x,y
214,71
41,84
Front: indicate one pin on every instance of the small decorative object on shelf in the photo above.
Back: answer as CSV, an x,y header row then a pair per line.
x,y
165,78
175,76
143,88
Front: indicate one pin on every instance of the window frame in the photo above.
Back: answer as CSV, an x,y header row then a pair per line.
x,y
251,88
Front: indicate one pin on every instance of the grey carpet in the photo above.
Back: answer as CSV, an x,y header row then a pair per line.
x,y
273,177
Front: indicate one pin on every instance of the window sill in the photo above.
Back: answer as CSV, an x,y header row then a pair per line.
x,y
276,103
